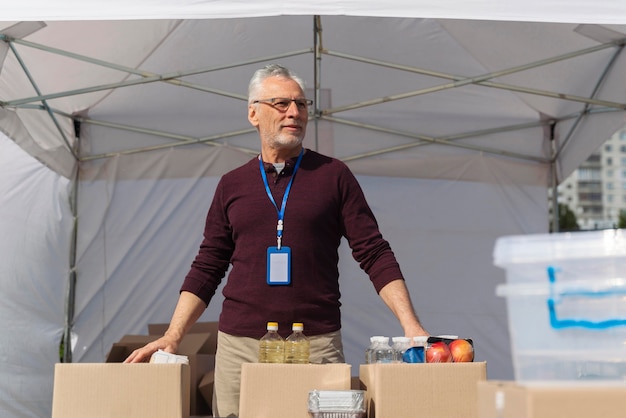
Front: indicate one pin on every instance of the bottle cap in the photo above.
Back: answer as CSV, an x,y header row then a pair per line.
x,y
273,326
297,326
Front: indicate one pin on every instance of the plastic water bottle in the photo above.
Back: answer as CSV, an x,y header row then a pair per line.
x,y
272,345
383,353
369,352
400,345
297,345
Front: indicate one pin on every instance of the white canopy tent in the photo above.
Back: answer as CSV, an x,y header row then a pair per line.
x,y
456,117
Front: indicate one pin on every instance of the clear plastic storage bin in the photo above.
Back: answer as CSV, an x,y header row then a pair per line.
x,y
566,302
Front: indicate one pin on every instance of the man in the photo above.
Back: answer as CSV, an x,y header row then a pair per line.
x,y
278,220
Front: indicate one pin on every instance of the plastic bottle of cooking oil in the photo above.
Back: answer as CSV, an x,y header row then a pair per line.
x,y
297,345
272,345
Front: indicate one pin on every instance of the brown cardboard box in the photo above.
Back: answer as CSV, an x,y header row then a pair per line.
x,y
192,346
206,386
204,366
442,390
196,343
499,399
197,328
104,390
122,349
282,390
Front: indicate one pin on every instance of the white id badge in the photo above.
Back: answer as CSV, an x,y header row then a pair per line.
x,y
278,265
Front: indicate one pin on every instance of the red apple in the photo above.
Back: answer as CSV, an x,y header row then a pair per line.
x,y
438,352
462,351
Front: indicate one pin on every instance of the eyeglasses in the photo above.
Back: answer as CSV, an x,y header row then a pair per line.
x,y
282,103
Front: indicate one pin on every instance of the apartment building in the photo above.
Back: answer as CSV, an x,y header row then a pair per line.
x,y
596,191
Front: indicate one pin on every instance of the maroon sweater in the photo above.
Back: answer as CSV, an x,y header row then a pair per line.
x,y
325,204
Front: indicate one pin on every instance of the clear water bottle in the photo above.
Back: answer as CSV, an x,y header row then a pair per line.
x,y
370,349
272,345
400,345
383,353
297,345
369,352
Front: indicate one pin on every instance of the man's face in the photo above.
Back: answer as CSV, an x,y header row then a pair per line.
x,y
279,129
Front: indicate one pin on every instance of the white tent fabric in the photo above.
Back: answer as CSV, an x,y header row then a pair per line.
x,y
452,126
35,230
572,11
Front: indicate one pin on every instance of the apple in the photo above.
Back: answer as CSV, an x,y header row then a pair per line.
x,y
462,351
438,352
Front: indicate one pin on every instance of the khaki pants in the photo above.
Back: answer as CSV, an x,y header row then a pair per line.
x,y
233,351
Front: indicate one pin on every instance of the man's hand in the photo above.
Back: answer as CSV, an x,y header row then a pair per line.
x,y
188,310
143,354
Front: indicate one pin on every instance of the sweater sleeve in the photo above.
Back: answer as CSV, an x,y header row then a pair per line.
x,y
211,263
369,248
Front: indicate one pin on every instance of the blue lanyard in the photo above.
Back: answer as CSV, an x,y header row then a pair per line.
x,y
281,211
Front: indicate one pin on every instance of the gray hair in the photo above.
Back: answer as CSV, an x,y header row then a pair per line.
x,y
271,70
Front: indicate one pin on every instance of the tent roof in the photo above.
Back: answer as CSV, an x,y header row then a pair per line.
x,y
572,11
444,91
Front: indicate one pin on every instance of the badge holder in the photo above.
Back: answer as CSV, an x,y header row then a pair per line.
x,y
278,265
279,257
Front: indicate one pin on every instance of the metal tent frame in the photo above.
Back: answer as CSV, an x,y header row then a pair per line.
x,y
13,37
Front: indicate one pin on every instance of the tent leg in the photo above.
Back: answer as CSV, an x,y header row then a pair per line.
x,y
70,299
317,66
554,180
69,318
554,198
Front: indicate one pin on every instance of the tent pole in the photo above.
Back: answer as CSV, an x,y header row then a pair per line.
x,y
70,299
556,151
587,109
44,103
317,69
145,76
482,80
554,180
423,140
209,141
554,198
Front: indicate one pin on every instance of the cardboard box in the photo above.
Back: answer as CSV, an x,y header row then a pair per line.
x,y
442,390
197,328
105,390
200,402
122,349
282,390
206,387
195,343
193,346
499,399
